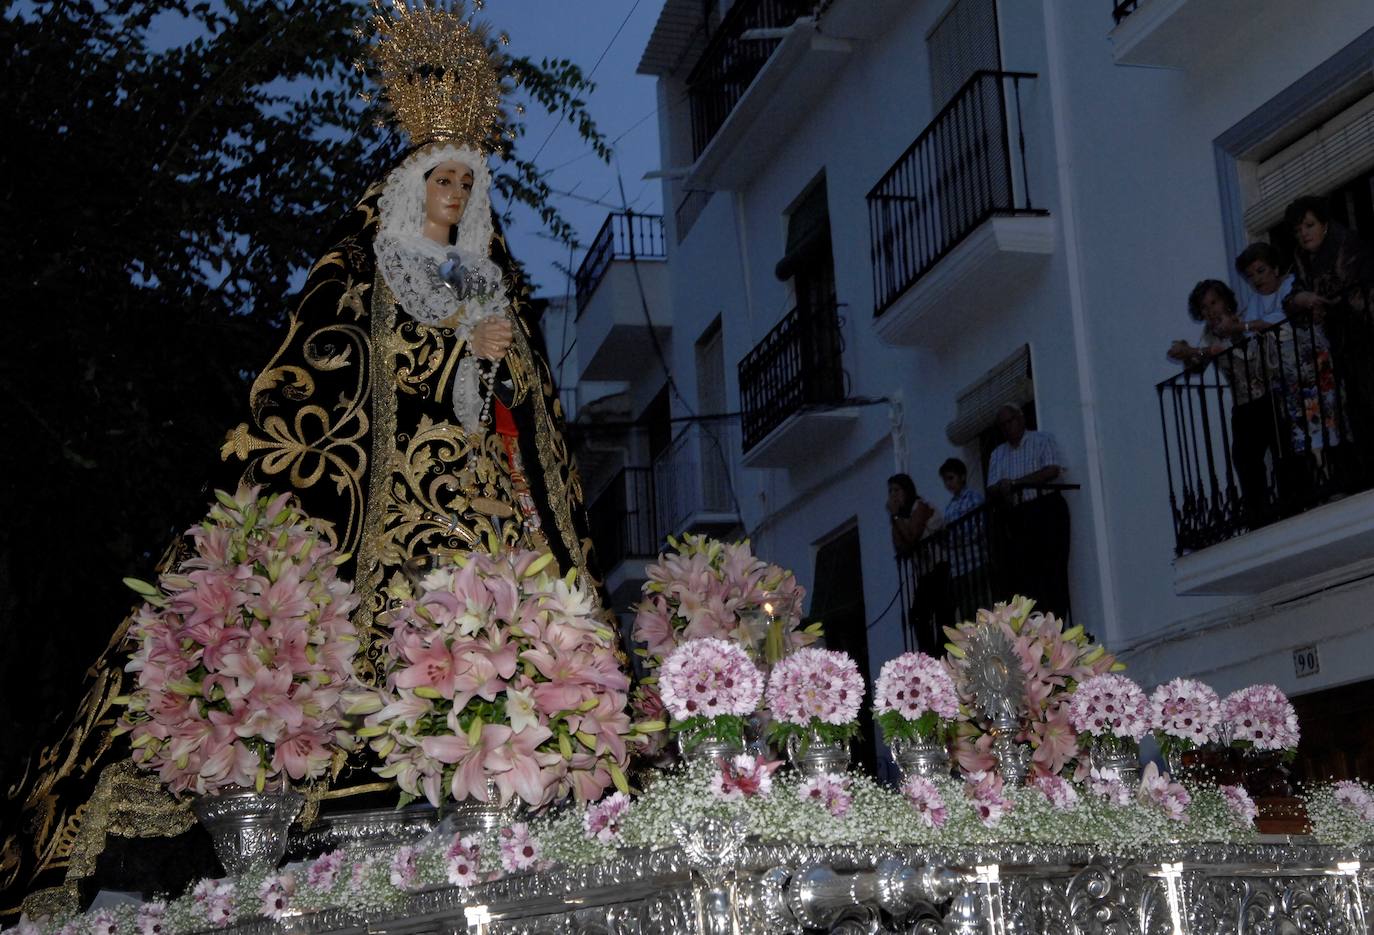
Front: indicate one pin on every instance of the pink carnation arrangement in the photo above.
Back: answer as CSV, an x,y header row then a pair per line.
x,y
830,791
986,794
815,693
710,686
1158,789
914,698
925,798
708,589
244,653
1356,798
1184,714
1261,717
1053,661
500,679
743,776
601,822
1240,804
1110,706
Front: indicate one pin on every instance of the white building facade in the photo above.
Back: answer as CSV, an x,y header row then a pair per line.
x,y
890,218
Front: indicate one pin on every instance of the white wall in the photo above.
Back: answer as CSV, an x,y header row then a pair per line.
x,y
1139,223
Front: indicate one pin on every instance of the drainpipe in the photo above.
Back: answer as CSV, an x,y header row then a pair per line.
x,y
1068,223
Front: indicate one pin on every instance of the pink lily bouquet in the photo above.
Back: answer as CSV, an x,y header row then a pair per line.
x,y
244,653
1054,660
815,695
915,699
501,680
705,588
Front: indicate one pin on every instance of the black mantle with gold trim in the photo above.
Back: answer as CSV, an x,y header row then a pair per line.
x,y
375,455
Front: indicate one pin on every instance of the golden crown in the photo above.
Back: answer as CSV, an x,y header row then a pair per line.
x,y
440,71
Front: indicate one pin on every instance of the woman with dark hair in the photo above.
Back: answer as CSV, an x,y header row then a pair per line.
x,y
917,536
1254,421
1335,288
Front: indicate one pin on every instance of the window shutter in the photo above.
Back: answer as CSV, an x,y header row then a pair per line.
x,y
1331,155
1008,382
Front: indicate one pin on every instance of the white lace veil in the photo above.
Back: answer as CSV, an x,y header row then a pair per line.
x,y
409,261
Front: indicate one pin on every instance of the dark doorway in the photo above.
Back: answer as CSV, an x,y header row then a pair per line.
x,y
1337,727
837,601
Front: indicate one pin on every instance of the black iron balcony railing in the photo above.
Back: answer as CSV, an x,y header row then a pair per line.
x,y
733,58
692,478
967,165
622,520
797,364
1123,8
623,236
987,555
1257,433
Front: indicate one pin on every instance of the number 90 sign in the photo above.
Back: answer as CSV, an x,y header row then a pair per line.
x,y
1306,661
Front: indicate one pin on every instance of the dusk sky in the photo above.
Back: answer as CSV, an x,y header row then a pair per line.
x,y
623,106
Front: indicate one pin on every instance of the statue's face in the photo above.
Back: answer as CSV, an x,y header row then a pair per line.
x,y
446,198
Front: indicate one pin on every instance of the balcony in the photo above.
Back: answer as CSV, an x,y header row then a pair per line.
x,y
973,562
1175,33
952,224
1272,490
693,483
761,71
623,300
792,389
624,527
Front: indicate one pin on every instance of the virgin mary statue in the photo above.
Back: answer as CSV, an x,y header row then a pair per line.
x,y
410,408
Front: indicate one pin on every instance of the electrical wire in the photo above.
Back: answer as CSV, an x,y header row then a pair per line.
x,y
667,368
590,74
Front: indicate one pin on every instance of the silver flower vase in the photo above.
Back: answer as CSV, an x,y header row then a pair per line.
x,y
248,828
1116,754
812,756
471,816
708,749
927,759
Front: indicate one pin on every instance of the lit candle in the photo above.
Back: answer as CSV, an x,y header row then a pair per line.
x,y
773,646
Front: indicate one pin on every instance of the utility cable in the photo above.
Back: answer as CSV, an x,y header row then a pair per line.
x,y
590,74
667,368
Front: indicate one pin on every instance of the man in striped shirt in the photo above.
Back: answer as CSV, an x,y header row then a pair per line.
x,y
1037,519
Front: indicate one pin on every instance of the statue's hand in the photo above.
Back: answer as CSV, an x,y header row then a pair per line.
x,y
491,337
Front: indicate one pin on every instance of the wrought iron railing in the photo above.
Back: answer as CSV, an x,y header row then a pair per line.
x,y
1257,433
623,236
733,57
966,166
973,562
622,518
1123,8
797,364
693,477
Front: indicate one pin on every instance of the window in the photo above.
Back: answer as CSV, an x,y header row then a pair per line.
x,y
964,41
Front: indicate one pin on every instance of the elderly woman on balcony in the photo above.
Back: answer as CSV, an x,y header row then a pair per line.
x,y
1254,419
1335,287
